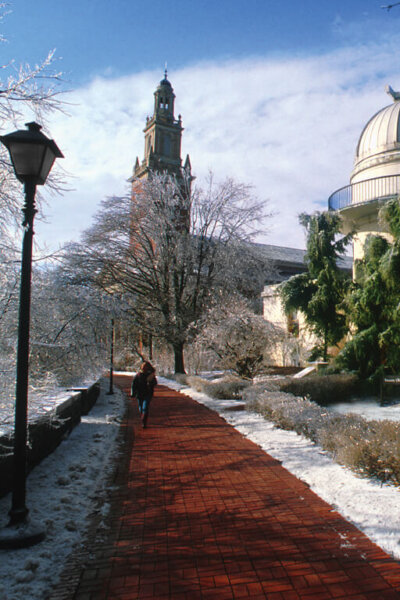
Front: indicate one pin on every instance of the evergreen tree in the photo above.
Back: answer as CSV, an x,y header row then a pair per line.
x,y
390,267
319,292
367,307
373,305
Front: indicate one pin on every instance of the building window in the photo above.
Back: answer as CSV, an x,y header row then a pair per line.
x,y
164,103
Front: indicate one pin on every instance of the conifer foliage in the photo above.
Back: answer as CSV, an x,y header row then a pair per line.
x,y
319,292
373,306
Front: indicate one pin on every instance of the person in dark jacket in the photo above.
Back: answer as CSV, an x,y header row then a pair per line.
x,y
142,389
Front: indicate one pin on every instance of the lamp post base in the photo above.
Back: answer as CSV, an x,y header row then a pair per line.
x,y
22,535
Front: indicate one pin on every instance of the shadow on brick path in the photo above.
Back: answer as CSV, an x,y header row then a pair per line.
x,y
200,512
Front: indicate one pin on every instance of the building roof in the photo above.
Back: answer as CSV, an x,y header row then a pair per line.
x,y
286,262
380,137
282,254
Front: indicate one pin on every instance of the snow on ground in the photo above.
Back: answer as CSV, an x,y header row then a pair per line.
x,y
371,506
61,490
60,495
369,408
41,401
39,404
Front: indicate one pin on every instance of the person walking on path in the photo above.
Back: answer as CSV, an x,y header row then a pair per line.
x,y
142,389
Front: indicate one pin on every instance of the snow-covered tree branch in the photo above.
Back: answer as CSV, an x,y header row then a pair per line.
x,y
242,341
173,253
26,93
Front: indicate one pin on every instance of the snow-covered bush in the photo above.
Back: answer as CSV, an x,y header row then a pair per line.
x,y
241,340
368,447
289,412
70,330
196,382
371,448
225,388
322,388
9,278
222,388
181,378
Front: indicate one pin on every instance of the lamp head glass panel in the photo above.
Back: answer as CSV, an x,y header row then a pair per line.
x,y
32,153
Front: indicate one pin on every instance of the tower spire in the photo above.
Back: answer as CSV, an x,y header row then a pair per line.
x,y
162,140
163,134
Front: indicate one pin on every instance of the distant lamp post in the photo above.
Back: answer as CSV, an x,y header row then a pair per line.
x,y
32,155
111,388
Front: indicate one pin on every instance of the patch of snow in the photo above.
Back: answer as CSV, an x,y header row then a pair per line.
x,y
60,495
41,401
62,489
368,408
130,373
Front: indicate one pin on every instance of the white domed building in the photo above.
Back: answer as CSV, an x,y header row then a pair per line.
x,y
374,180
375,177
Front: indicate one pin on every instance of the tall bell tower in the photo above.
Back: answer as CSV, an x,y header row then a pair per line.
x,y
162,138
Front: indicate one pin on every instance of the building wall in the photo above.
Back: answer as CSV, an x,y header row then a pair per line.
x,y
296,340
388,164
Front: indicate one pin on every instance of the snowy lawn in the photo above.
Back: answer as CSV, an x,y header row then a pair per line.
x,y
62,488
369,408
60,494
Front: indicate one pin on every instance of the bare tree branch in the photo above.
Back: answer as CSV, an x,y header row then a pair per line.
x,y
173,255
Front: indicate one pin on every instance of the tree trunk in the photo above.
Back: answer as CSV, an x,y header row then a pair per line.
x,y
325,352
179,362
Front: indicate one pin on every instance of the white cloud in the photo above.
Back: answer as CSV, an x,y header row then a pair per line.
x,y
287,125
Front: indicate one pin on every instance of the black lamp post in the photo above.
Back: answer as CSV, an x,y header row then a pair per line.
x,y
32,155
111,388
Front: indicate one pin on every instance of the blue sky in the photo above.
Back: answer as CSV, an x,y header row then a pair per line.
x,y
120,37
272,93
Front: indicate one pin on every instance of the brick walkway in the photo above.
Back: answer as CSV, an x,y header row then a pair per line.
x,y
200,512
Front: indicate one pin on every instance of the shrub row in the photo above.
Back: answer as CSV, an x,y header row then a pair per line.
x,y
223,389
371,448
323,389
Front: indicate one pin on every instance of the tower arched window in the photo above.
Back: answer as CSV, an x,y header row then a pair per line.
x,y
164,103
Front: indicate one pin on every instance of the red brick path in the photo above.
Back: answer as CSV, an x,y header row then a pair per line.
x,y
200,512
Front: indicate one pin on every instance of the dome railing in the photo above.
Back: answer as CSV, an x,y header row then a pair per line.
x,y
378,188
